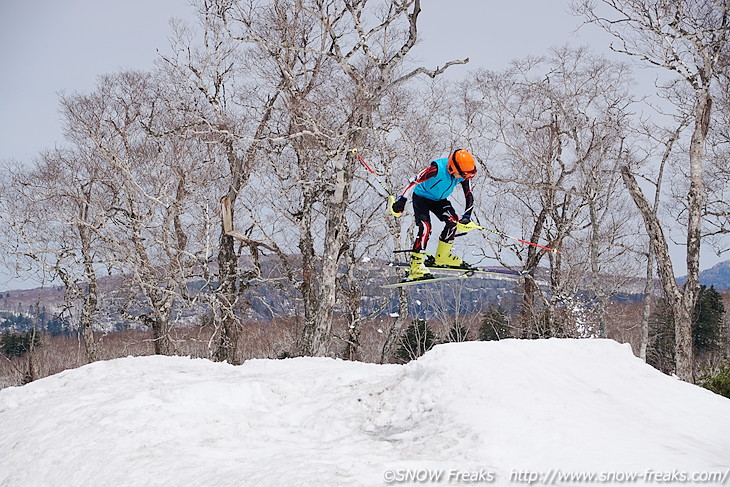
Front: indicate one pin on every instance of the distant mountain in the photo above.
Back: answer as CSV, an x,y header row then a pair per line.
x,y
717,275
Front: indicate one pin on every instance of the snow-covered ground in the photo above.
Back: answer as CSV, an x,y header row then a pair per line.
x,y
498,413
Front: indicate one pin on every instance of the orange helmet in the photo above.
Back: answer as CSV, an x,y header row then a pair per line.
x,y
462,164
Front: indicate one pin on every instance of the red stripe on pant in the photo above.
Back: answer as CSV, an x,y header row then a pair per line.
x,y
424,231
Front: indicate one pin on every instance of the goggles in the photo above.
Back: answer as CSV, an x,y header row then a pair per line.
x,y
464,174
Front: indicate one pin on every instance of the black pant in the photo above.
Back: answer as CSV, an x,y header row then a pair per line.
x,y
422,209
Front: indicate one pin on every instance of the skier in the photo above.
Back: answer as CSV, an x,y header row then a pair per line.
x,y
432,186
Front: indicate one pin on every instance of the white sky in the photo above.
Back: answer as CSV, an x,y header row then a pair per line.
x,y
53,46
50,46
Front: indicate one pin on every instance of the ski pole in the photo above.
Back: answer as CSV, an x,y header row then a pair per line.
x,y
370,169
391,198
473,226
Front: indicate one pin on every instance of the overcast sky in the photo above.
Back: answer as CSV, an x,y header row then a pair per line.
x,y
53,46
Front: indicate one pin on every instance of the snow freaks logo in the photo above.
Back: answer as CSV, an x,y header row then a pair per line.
x,y
424,476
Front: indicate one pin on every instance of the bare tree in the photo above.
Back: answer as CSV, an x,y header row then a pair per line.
x,y
718,170
147,183
556,126
53,213
334,63
221,101
687,38
656,139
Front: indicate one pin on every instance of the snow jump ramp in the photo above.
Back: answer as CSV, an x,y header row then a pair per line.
x,y
557,412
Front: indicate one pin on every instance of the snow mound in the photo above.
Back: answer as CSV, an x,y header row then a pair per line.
x,y
477,412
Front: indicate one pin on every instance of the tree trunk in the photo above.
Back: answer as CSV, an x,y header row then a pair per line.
x,y
646,311
681,304
684,350
308,285
593,255
159,322
226,298
529,321
317,334
351,288
90,300
86,324
227,291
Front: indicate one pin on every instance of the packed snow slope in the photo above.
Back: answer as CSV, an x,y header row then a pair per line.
x,y
497,413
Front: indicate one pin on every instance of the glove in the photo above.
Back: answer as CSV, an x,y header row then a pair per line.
x,y
398,205
465,219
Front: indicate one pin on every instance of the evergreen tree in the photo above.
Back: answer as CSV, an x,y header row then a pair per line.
x,y
718,381
57,326
15,345
419,339
495,325
707,329
457,333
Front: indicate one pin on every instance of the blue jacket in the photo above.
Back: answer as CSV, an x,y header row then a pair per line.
x,y
441,185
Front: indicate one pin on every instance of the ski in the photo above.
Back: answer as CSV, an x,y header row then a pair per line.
x,y
479,270
465,273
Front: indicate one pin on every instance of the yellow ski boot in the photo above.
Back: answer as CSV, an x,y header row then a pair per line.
x,y
418,269
444,257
